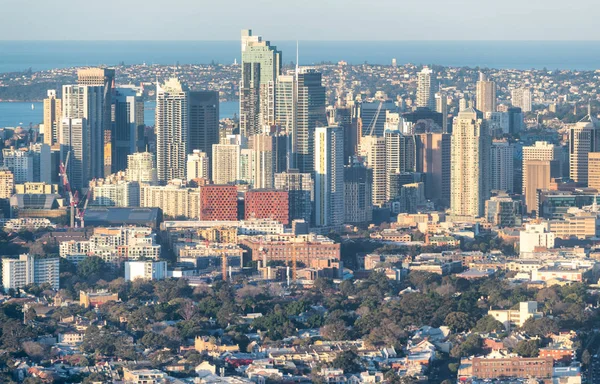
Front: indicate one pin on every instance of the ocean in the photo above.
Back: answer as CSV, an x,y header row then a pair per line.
x,y
21,114
42,55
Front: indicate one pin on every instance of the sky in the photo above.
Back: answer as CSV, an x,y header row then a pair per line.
x,y
300,19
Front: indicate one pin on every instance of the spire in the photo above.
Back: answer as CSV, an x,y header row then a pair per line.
x,y
297,56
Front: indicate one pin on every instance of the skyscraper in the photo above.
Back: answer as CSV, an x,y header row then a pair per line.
x,y
399,157
141,167
226,163
373,116
441,106
583,138
204,121
300,187
7,183
52,116
128,126
426,89
502,167
261,64
470,165
485,94
541,151
358,207
310,113
329,176
104,77
285,102
269,155
82,133
372,149
521,97
172,130
432,158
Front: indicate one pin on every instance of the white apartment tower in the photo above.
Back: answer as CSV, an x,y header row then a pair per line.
x,y
329,176
426,89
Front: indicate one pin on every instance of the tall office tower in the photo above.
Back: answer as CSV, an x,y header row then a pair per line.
x,y
300,188
103,77
357,194
42,162
204,120
52,116
197,165
269,157
225,163
521,97
432,154
374,115
7,183
540,151
470,165
515,120
584,138
485,94
399,157
426,89
20,163
30,269
441,106
329,176
285,102
310,113
172,130
594,170
261,64
345,119
502,166
141,167
128,126
372,149
82,128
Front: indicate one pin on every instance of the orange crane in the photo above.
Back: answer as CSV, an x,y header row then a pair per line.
x,y
73,198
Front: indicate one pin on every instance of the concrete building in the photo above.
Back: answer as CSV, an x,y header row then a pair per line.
x,y
141,167
515,367
52,117
175,201
516,318
114,193
485,94
329,176
226,163
261,64
20,163
594,170
82,133
285,103
172,130
373,151
502,166
30,269
534,236
584,138
128,125
502,211
577,223
198,165
267,204
269,154
432,155
145,270
218,202
470,165
300,188
426,88
96,299
7,183
358,207
541,161
307,248
399,158
204,122
441,106
521,98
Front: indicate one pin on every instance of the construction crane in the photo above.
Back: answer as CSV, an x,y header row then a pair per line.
x,y
67,187
81,212
375,118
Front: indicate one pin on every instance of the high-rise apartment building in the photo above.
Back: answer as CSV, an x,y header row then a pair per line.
x,y
399,157
329,176
485,94
267,204
204,121
441,106
226,163
541,173
52,117
310,113
521,97
102,77
300,188
594,170
197,165
141,167
285,103
269,154
218,203
174,200
30,269
172,130
261,64
114,193
584,137
7,183
426,89
358,207
502,166
128,126
470,164
373,151
432,158
82,133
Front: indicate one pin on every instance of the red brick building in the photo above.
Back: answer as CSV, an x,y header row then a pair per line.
x,y
267,204
558,353
516,367
218,203
306,248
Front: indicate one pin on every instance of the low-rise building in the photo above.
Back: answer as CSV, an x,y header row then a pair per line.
x,y
30,269
516,318
95,299
145,270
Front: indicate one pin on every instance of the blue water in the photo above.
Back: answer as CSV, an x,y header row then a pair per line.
x,y
21,114
40,55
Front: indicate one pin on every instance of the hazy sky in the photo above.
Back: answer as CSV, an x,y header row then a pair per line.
x,y
300,19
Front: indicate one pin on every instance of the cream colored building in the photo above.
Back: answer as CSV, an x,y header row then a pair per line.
x,y
583,138
36,188
470,174
373,149
175,201
141,167
485,94
594,170
516,318
197,165
576,224
7,183
52,116
226,163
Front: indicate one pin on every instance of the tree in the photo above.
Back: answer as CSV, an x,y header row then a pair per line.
x,y
586,358
541,327
348,361
488,324
471,346
458,321
91,266
335,331
528,348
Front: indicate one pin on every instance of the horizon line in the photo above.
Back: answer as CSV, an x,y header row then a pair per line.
x,y
309,40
